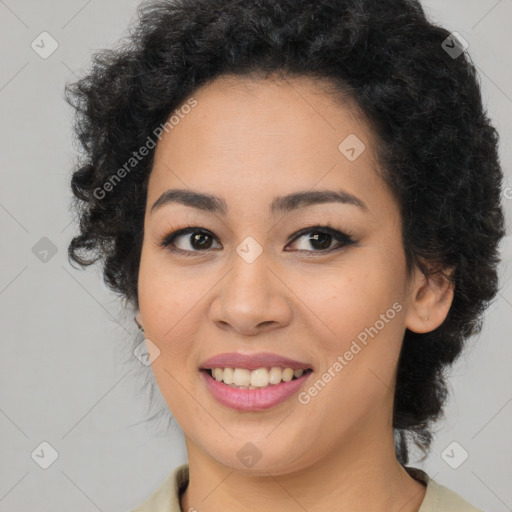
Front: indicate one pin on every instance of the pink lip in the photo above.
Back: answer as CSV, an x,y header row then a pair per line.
x,y
252,361
252,399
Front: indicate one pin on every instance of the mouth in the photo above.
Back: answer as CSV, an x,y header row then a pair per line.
x,y
244,378
254,390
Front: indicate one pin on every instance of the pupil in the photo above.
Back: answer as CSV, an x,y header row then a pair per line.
x,y
316,236
199,237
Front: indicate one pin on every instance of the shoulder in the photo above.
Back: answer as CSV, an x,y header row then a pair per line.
x,y
439,498
167,497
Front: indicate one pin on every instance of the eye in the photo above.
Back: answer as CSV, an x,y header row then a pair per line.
x,y
196,240
321,238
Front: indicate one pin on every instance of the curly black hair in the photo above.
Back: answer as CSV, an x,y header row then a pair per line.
x,y
437,148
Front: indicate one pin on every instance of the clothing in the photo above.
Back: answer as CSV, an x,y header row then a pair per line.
x,y
437,497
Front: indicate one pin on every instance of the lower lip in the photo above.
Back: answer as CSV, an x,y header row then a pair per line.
x,y
253,399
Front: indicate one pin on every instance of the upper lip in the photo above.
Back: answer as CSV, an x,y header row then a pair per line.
x,y
252,361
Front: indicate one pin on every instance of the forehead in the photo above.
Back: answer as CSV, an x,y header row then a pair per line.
x,y
253,139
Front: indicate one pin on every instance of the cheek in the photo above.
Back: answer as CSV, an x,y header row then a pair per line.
x,y
347,300
172,303
361,331
165,292
359,350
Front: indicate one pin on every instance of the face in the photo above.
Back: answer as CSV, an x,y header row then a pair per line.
x,y
321,281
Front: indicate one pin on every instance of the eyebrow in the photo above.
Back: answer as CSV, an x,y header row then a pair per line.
x,y
279,205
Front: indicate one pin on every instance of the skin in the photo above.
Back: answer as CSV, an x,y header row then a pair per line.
x,y
247,141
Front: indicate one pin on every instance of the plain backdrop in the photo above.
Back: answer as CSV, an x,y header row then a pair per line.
x,y
64,335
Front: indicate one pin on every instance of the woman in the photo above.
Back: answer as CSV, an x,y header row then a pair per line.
x,y
301,200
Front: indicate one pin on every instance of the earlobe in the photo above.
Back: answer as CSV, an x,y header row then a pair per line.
x,y
430,300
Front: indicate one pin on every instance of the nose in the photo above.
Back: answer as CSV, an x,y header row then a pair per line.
x,y
252,299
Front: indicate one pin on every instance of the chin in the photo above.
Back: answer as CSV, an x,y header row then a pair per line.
x,y
262,457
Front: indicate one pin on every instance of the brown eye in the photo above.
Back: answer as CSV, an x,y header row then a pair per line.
x,y
320,238
193,240
200,240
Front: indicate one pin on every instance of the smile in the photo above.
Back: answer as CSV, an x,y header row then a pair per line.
x,y
256,390
242,378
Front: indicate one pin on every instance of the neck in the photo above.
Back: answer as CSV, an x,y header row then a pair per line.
x,y
363,474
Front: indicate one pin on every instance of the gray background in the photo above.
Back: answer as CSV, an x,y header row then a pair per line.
x,y
63,379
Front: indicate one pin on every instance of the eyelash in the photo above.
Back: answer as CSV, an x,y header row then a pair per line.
x,y
344,237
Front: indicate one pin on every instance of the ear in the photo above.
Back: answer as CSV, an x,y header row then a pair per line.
x,y
138,321
430,300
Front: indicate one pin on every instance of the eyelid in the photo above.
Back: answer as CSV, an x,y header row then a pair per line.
x,y
323,228
344,236
174,233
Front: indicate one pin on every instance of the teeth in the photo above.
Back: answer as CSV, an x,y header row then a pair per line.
x,y
287,375
274,375
228,375
260,378
241,376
